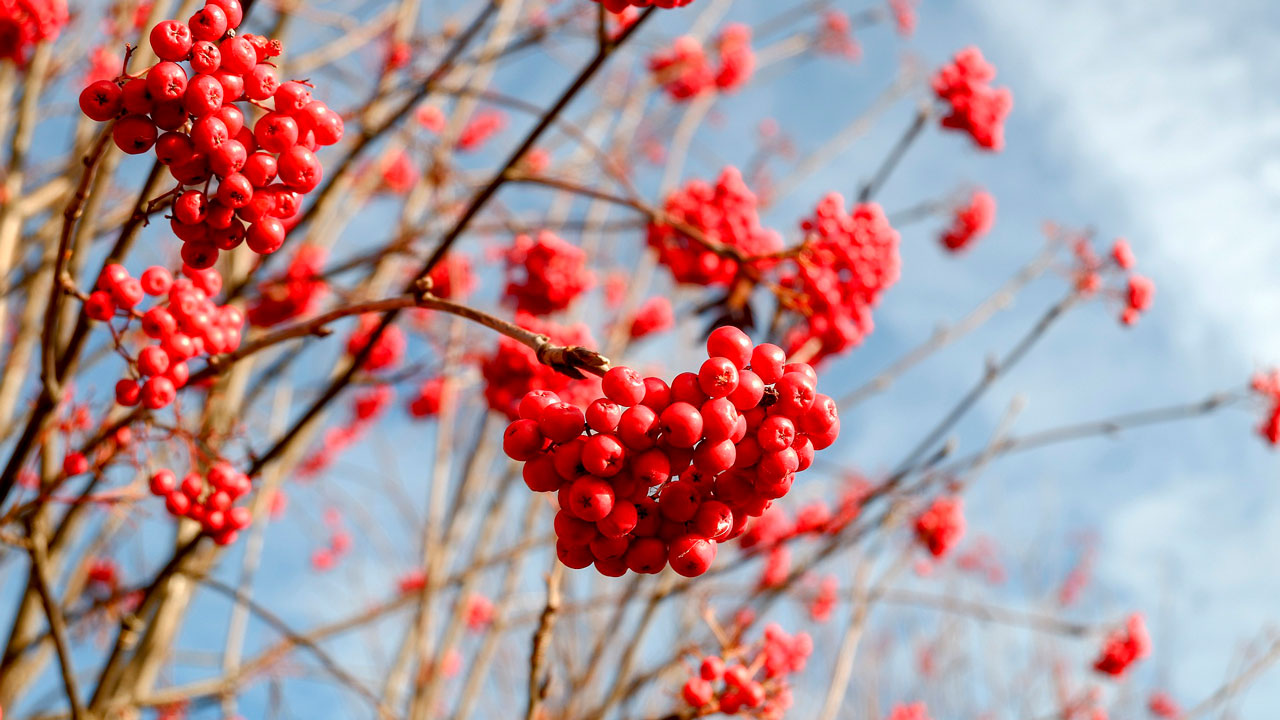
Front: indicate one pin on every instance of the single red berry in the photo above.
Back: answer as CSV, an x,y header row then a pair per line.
x,y
292,97
679,501
767,361
697,692
719,419
803,368
522,440
620,521
229,158
796,392
718,377
128,392
163,482
299,169
199,254
534,401
171,40
261,82
657,394
235,190
540,475
204,96
75,463
260,169
590,498
575,557
232,85
639,427
233,10
749,392
713,519
276,132
647,555
730,343
238,55
573,530
99,306
136,97
153,360
603,415
604,548
686,388
651,467
714,458
190,207
623,386
602,455
134,134
681,425
776,433
174,147
167,81
101,100
158,392
231,116
209,23
206,58
561,422
691,555
711,669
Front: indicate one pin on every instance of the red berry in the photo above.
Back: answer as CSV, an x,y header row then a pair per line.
x,y
712,668
209,23
575,557
190,207
713,519
719,419
99,306
128,392
540,475
235,14
206,58
167,81
715,457
229,158
158,392
796,392
561,422
199,254
730,343
534,401
603,455
620,521
522,440
235,190
697,692
638,429
679,501
647,555
776,433
623,386
163,482
260,169
238,55
276,132
174,147
749,392
718,377
101,100
603,415
204,96
767,361
590,498
657,394
573,530
681,425
299,169
134,134
261,82
691,555
292,97
171,40
325,123
153,360
136,97
651,467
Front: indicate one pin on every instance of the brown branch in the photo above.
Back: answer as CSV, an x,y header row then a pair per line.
x,y
539,680
57,623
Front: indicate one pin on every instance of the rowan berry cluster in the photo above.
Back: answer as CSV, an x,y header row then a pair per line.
x,y
618,6
685,71
429,397
24,23
970,221
388,348
199,133
514,369
545,274
294,293
652,474
732,688
183,324
1267,384
941,525
654,316
847,260
723,215
914,711
1123,647
207,498
1138,291
973,105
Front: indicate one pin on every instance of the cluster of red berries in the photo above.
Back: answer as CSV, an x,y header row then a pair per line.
x,y
388,349
718,687
262,171
847,260
326,557
941,525
1268,386
618,6
514,369
974,106
970,221
835,36
545,274
294,293
208,499
428,399
653,316
1123,647
914,711
685,71
24,23
724,213
652,474
1139,291
184,324
484,125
